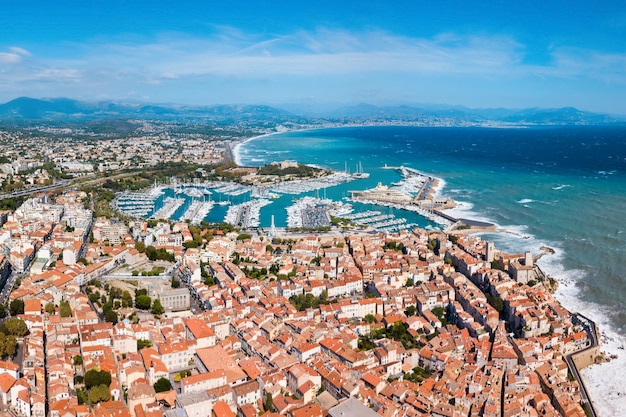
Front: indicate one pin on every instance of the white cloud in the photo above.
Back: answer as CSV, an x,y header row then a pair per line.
x,y
375,60
20,51
323,52
9,58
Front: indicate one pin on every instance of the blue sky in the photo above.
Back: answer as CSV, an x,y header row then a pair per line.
x,y
478,54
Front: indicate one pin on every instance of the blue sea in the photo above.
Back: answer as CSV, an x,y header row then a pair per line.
x,y
559,187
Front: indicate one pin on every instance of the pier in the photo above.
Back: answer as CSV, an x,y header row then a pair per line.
x,y
198,211
169,208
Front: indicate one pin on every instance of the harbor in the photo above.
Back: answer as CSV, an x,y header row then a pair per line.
x,y
169,208
246,215
136,204
244,205
310,212
197,211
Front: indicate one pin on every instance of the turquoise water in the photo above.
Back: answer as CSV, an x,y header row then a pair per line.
x,y
564,188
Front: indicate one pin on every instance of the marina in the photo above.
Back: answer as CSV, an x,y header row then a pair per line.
x,y
246,215
303,186
239,205
170,206
136,204
197,211
310,212
378,221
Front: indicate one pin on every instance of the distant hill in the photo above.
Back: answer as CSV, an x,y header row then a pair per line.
x,y
460,114
64,109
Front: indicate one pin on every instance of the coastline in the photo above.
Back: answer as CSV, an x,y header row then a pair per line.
x,y
235,149
603,381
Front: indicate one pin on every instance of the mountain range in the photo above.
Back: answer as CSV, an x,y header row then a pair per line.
x,y
60,109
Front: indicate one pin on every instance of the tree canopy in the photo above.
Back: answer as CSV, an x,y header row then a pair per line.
x,y
64,309
163,384
16,307
15,327
157,308
94,377
143,302
99,393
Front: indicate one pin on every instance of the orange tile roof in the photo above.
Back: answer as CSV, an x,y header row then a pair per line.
x,y
221,409
6,382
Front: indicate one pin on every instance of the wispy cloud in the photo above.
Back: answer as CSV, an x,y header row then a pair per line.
x,y
9,58
20,51
327,52
110,66
323,52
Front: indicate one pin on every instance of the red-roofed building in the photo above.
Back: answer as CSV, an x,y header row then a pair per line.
x,y
221,409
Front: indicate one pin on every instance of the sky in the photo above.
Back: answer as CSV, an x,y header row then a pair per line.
x,y
480,54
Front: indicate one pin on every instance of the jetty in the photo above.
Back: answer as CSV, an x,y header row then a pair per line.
x,y
197,211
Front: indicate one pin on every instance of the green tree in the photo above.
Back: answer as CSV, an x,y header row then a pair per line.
x,y
410,282
99,393
140,246
3,311
369,318
16,327
127,299
94,377
50,308
111,317
410,311
162,385
441,315
143,302
82,396
175,283
64,309
157,308
496,302
10,346
78,360
16,307
143,343
268,404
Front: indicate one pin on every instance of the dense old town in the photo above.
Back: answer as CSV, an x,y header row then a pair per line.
x,y
148,318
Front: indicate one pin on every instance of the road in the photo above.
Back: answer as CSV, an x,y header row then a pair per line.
x,y
29,191
8,287
593,335
65,184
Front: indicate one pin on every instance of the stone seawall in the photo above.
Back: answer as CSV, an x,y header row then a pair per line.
x,y
586,357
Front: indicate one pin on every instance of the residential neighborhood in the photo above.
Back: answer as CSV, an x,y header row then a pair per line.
x,y
128,318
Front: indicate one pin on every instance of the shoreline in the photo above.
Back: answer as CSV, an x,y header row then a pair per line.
x,y
602,380
236,157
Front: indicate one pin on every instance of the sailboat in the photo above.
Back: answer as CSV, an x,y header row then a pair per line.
x,y
223,202
359,172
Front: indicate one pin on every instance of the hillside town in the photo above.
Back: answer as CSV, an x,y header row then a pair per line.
x,y
149,318
29,158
